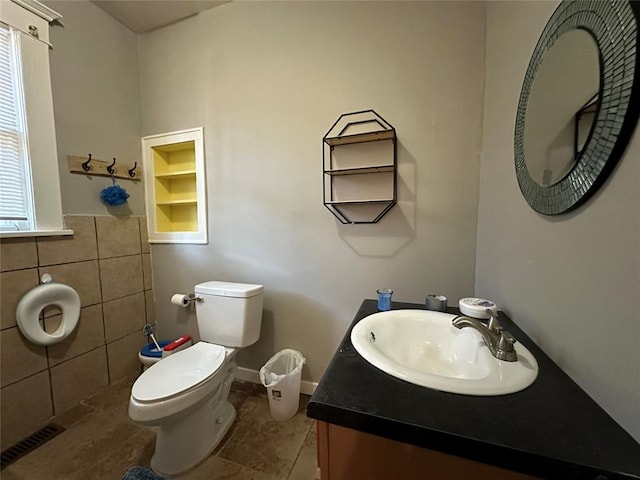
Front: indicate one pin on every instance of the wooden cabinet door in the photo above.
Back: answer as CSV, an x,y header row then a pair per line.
x,y
346,454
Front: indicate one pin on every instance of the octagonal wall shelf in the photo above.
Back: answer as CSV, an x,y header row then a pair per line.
x,y
360,167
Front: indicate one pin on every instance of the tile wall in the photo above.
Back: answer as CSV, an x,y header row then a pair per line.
x,y
107,261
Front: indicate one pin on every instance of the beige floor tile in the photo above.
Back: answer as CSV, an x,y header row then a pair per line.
x,y
9,474
216,468
307,461
101,442
263,444
25,406
241,390
99,446
113,399
73,415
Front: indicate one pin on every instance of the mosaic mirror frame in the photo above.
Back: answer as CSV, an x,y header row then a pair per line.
x,y
614,26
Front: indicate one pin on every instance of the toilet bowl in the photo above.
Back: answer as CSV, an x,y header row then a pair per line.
x,y
187,400
182,381
184,397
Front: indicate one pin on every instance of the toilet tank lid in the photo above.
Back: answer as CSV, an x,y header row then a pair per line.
x,y
229,289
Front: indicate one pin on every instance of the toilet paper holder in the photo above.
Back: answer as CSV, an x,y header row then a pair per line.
x,y
193,298
185,301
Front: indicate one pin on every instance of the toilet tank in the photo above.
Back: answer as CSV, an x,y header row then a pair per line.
x,y
230,314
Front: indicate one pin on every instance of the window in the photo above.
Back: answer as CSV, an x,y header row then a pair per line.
x,y
30,201
16,197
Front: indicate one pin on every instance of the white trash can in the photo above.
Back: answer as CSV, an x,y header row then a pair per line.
x,y
281,375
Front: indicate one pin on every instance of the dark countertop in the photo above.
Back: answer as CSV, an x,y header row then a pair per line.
x,y
552,429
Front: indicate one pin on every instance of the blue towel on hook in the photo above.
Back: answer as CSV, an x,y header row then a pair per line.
x,y
141,473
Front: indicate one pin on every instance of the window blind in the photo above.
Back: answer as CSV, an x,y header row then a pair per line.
x,y
16,211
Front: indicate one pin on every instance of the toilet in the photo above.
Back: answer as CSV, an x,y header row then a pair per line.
x,y
184,397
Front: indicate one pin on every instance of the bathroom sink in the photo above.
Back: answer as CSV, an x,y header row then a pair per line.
x,y
424,348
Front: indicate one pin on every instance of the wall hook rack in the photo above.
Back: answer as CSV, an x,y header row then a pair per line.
x,y
110,168
132,171
85,165
103,168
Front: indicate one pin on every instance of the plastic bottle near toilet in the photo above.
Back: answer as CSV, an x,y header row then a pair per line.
x,y
150,355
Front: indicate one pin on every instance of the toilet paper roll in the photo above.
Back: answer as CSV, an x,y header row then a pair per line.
x,y
180,300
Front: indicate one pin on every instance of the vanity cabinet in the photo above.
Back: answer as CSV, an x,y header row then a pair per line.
x,y
346,454
175,187
374,426
359,167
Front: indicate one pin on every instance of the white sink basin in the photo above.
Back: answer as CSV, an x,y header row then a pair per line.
x,y
424,348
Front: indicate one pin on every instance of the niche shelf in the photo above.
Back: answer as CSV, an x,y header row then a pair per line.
x,y
359,168
175,187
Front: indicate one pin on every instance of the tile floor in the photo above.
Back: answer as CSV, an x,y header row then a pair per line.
x,y
100,442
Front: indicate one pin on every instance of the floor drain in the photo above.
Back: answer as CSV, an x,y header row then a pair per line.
x,y
30,443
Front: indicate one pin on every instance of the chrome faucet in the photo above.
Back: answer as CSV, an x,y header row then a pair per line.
x,y
499,341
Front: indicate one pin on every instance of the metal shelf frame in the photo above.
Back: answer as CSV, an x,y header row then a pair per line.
x,y
359,127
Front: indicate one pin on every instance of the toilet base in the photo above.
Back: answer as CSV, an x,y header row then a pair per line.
x,y
187,439
174,455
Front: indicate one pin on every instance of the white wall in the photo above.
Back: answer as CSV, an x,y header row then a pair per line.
x,y
572,281
94,75
267,80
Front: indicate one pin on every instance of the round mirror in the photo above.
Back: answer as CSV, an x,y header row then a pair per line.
x,y
579,103
562,105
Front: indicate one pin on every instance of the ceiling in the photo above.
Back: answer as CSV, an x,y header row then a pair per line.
x,y
144,15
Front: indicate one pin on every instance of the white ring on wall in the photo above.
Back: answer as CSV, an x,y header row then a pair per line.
x,y
34,301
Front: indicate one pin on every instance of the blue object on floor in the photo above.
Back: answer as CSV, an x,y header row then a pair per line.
x,y
150,350
141,473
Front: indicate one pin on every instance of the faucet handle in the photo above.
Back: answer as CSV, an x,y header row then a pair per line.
x,y
505,350
506,341
493,325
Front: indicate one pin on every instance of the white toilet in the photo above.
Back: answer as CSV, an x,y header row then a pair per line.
x,y
184,397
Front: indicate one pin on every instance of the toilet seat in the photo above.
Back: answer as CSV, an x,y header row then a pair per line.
x,y
178,373
35,300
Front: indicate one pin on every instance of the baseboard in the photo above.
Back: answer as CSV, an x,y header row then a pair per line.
x,y
253,376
